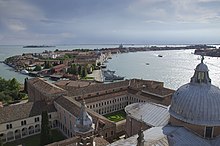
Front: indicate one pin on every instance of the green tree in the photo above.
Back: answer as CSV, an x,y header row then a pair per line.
x,y
45,135
13,84
47,65
74,69
25,85
37,67
79,69
1,143
3,84
84,72
66,57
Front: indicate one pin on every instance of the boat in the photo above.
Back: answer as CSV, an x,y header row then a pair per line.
x,y
110,76
25,72
110,71
103,66
147,63
159,55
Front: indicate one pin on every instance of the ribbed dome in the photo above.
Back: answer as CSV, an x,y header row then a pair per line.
x,y
197,102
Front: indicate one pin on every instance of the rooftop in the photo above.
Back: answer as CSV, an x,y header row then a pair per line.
x,y
150,113
22,111
73,107
166,136
75,84
45,87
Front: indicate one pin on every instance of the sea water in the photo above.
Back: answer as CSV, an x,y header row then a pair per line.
x,y
174,68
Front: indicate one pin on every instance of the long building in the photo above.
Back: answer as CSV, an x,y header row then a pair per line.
x,y
63,104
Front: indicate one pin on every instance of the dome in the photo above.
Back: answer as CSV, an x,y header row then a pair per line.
x,y
84,121
201,67
198,101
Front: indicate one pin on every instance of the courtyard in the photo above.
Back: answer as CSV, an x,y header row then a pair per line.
x,y
116,116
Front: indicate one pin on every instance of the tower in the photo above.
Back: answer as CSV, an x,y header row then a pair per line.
x,y
84,127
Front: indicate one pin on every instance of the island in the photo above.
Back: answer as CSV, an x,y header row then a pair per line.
x,y
38,46
78,64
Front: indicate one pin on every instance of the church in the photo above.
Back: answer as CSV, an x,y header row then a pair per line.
x,y
194,116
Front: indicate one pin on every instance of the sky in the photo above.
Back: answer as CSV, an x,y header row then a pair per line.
x,y
51,22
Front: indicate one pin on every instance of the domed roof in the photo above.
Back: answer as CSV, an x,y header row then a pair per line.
x,y
198,101
84,121
201,66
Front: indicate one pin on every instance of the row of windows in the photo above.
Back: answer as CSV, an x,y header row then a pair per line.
x,y
133,99
107,91
24,122
107,102
111,108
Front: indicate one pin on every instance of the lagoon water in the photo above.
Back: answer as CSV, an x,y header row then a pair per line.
x,y
175,68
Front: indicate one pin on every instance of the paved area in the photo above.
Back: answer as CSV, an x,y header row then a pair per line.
x,y
97,74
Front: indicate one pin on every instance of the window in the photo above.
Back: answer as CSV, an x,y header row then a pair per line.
x,y
65,119
112,132
9,126
70,125
201,76
49,116
208,132
37,119
23,123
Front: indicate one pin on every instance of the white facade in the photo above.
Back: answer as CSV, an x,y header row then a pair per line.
x,y
24,127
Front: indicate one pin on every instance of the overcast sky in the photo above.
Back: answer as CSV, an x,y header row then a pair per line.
x,y
109,21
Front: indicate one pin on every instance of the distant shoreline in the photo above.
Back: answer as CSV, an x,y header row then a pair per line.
x,y
37,46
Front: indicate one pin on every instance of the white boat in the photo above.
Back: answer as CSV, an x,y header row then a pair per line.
x,y
25,72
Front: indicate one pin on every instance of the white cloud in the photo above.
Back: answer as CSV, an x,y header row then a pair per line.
x,y
16,25
15,15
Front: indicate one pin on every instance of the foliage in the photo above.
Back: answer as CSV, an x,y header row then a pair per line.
x,y
25,85
79,70
84,72
69,56
1,143
73,69
45,136
47,65
37,68
9,90
89,78
66,57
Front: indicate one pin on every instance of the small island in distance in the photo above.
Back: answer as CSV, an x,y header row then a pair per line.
x,y
38,46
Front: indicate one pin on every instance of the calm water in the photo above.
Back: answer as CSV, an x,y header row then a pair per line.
x,y
175,68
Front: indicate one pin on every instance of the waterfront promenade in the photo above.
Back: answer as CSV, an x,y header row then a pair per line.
x,y
97,75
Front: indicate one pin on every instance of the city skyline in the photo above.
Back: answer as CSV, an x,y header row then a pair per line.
x,y
106,22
